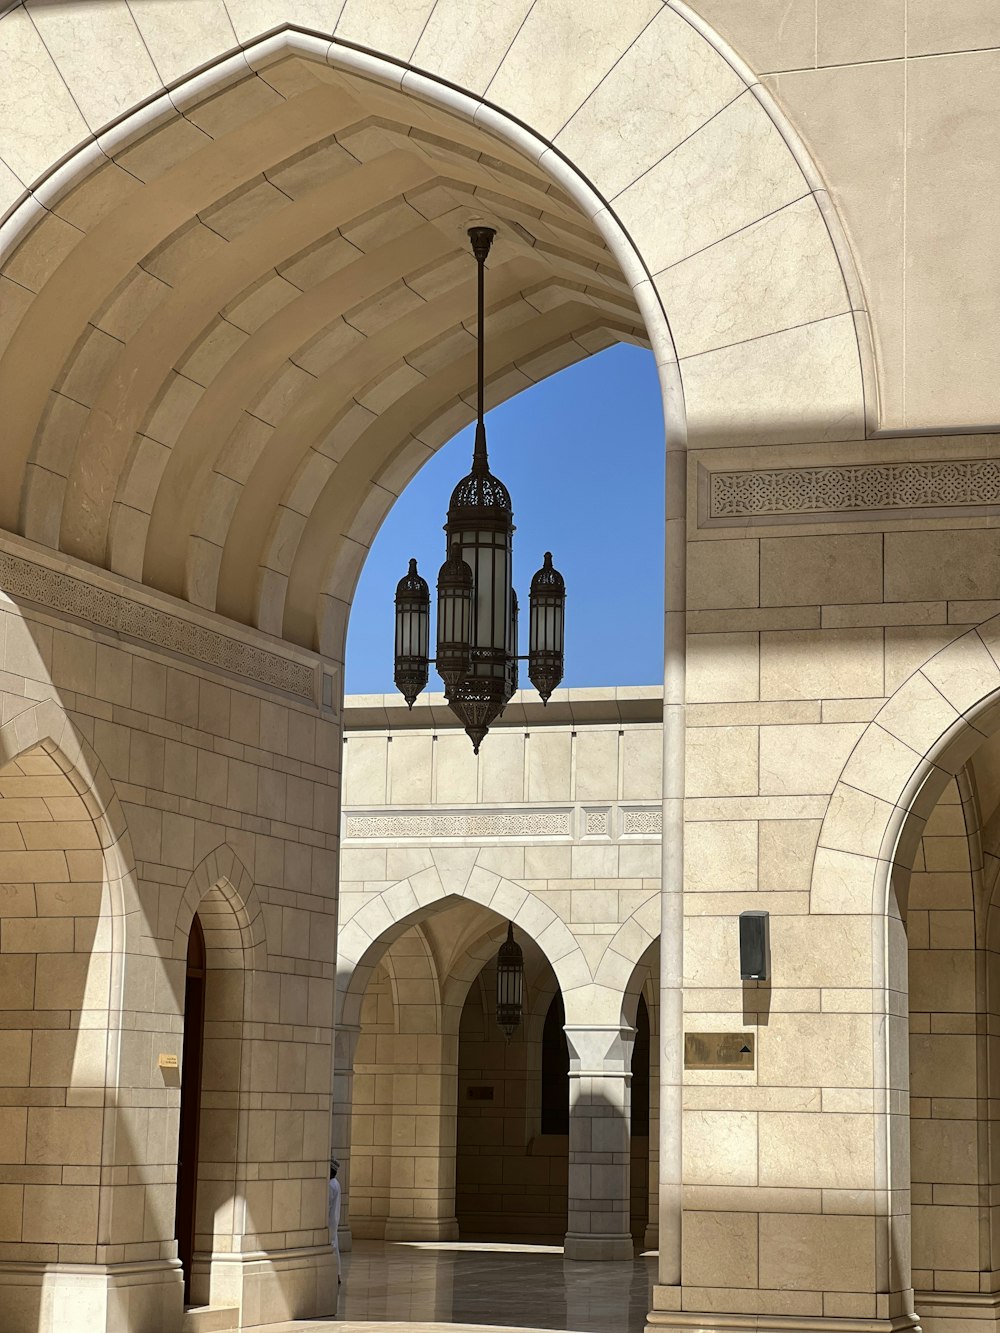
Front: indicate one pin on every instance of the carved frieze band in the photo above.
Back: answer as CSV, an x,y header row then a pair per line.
x,y
854,489
478,824
488,824
57,591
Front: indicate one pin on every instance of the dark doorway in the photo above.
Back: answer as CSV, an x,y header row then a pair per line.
x,y
187,1139
640,1126
555,1070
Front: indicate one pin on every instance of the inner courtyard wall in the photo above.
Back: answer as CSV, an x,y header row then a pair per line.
x,y
831,585
142,785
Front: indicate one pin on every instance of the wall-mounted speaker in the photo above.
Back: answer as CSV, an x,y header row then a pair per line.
x,y
755,946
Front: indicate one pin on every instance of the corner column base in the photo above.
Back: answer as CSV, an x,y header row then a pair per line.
x,y
597,1248
92,1298
268,1286
957,1311
688,1320
419,1228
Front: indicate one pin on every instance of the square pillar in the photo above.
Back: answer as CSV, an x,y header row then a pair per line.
x,y
600,1076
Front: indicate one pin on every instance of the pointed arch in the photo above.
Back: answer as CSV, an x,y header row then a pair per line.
x,y
221,890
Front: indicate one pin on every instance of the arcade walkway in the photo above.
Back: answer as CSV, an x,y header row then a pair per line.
x,y
428,1287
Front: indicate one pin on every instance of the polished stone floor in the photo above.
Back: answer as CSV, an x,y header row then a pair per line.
x,y
424,1287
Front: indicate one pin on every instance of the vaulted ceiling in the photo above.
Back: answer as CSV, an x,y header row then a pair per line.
x,y
228,348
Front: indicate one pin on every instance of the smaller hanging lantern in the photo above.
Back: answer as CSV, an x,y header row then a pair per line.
x,y
547,632
454,619
510,984
413,619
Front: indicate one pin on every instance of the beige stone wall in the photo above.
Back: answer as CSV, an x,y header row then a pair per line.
x,y
897,103
554,826
180,411
137,788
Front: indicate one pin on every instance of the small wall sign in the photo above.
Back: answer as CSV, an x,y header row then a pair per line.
x,y
165,1061
718,1050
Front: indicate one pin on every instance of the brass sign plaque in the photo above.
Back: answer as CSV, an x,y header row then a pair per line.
x,y
718,1050
167,1061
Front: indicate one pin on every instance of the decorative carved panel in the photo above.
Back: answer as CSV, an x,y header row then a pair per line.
x,y
89,601
854,489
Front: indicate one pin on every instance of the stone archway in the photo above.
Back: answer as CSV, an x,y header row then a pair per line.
x,y
918,743
702,159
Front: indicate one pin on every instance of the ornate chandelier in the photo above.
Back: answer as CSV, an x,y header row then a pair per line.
x,y
477,605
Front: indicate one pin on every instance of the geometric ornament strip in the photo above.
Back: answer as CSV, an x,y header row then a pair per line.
x,y
855,487
478,824
76,597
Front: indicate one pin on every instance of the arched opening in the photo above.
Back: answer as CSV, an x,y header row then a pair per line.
x,y
513,1113
641,1126
190,1110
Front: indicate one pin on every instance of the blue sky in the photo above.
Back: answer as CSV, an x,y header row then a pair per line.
x,y
582,456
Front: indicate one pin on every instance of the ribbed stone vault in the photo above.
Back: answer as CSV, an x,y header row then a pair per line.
x,y
228,349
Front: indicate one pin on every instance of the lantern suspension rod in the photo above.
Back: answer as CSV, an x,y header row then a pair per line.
x,y
482,240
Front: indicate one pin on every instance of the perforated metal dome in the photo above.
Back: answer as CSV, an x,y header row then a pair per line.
x,y
412,582
480,493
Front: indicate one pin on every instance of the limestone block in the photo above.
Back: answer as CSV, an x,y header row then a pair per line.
x,y
705,166
722,761
820,664
758,381
544,98
804,570
365,769
831,1150
723,574
596,764
720,1249
35,95
821,1050
799,760
774,34
410,770
785,853
184,35
927,565
466,44
856,31
503,771
720,1147
852,119
720,856
932,28
549,765
100,55
608,138
722,668
758,276
817,1253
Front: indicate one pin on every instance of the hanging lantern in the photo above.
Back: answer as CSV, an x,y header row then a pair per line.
x,y
547,629
510,984
454,620
413,618
477,606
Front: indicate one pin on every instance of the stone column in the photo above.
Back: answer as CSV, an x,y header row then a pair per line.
x,y
345,1044
651,1240
600,1075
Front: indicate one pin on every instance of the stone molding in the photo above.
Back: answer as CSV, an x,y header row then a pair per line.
x,y
928,488
87,596
487,824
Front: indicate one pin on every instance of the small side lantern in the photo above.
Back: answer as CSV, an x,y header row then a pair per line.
x,y
454,619
413,619
510,984
546,639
